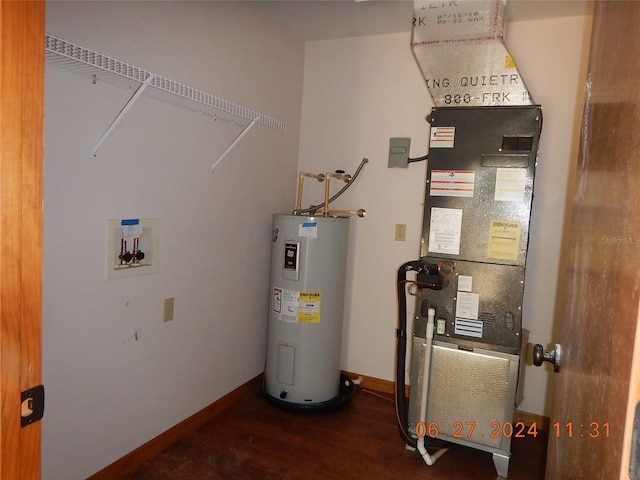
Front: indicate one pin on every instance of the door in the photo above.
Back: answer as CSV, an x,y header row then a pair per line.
x,y
589,434
21,146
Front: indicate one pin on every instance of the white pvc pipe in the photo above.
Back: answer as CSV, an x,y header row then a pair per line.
x,y
428,459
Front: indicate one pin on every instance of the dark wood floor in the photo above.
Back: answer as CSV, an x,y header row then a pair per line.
x,y
255,440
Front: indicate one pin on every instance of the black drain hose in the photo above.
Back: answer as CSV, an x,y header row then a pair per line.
x,y
401,351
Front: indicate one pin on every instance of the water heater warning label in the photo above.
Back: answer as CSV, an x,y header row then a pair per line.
x,y
296,307
284,304
308,229
309,307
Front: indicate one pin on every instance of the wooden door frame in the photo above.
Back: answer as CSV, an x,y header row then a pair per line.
x,y
21,194
598,383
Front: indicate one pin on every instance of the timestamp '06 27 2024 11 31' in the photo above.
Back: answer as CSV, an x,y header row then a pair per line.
x,y
516,430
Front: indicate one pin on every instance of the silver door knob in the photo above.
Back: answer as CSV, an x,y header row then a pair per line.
x,y
539,356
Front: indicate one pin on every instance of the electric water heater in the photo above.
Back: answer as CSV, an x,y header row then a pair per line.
x,y
304,339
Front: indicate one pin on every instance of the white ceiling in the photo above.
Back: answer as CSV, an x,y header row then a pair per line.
x,y
331,19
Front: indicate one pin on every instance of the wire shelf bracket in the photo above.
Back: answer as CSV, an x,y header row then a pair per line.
x,y
122,113
81,60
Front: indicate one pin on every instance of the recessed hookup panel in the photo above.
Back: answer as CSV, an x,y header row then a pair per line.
x,y
132,247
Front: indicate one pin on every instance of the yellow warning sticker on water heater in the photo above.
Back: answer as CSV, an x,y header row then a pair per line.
x,y
309,307
504,240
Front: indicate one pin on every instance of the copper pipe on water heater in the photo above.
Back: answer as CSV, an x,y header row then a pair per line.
x,y
318,176
313,209
340,176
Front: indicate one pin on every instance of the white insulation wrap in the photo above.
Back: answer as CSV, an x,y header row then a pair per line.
x,y
459,48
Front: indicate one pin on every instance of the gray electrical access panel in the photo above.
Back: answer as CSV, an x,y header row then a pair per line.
x,y
479,191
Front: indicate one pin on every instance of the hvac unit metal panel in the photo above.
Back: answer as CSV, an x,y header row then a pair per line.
x,y
477,209
496,294
480,183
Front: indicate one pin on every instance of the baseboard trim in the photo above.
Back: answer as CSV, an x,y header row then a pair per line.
x,y
375,384
182,429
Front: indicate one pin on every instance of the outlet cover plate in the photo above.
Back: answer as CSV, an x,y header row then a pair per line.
x,y
168,309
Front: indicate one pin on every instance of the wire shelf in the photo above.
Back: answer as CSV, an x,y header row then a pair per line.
x,y
87,62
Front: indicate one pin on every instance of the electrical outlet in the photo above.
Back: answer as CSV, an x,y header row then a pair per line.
x,y
168,309
401,232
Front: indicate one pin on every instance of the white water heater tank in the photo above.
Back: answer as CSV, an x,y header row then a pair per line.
x,y
304,340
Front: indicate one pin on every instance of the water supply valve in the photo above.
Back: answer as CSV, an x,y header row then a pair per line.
x,y
126,257
137,254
